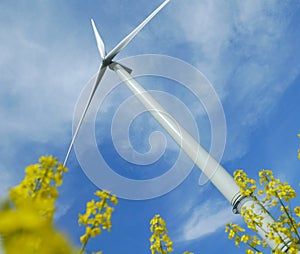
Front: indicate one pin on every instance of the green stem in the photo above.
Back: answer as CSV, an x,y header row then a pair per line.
x,y
275,230
39,181
92,227
84,245
288,215
253,247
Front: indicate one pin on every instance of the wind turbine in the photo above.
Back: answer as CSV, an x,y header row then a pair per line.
x,y
222,180
107,59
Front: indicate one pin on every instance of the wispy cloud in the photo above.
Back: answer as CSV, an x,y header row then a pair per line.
x,y
245,49
207,219
63,206
42,76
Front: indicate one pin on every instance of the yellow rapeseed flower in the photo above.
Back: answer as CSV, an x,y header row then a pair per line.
x,y
297,211
97,216
246,184
39,187
159,240
25,231
273,193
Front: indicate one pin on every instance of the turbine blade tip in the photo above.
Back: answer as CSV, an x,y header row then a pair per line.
x,y
100,44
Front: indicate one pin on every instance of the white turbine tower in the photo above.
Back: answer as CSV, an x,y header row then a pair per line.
x,y
222,180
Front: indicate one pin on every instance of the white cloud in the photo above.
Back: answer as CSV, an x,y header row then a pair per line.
x,y
41,79
207,219
63,206
247,52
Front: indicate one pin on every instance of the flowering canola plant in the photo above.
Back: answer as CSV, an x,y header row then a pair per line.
x,y
27,215
97,216
160,241
272,194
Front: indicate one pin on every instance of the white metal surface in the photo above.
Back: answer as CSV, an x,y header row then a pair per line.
x,y
209,166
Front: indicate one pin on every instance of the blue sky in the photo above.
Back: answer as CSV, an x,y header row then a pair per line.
x,y
248,50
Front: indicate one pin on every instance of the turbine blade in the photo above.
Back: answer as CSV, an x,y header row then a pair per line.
x,y
130,36
100,44
97,81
